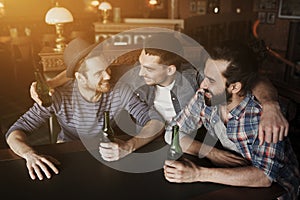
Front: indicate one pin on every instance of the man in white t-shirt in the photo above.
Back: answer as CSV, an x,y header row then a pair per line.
x,y
170,82
165,80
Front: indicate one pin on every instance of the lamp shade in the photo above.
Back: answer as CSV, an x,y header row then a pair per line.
x,y
58,15
153,2
104,6
94,3
2,9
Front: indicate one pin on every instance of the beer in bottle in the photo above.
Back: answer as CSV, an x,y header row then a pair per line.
x,y
175,151
108,133
42,89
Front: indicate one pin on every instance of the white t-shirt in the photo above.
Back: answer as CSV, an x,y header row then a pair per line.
x,y
163,102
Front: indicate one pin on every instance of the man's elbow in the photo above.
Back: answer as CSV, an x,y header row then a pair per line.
x,y
15,135
157,127
9,137
265,182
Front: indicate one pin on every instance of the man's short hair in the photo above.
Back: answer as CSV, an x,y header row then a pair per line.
x,y
243,64
167,47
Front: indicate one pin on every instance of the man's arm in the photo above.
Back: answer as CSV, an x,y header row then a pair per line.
x,y
37,165
58,80
187,171
54,82
273,125
115,150
216,156
148,133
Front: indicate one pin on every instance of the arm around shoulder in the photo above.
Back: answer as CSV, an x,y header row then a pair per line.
x,y
58,80
273,126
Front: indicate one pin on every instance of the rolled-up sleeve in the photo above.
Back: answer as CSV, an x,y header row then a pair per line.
x,y
32,120
268,157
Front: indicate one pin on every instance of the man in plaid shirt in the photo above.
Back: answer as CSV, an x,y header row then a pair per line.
x,y
224,97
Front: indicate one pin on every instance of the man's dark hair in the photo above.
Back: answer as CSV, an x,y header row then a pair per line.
x,y
166,57
167,47
243,64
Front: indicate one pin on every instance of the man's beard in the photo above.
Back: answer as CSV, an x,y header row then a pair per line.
x,y
218,99
103,87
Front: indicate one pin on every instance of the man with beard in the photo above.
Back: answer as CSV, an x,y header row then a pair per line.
x,y
78,106
225,95
164,80
169,82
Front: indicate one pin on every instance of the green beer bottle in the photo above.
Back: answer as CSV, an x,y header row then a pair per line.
x,y
108,132
175,151
42,89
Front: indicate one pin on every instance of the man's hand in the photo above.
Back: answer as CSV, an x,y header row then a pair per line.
x,y
40,165
181,172
34,95
113,151
226,159
273,126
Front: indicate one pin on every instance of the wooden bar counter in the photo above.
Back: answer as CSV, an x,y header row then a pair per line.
x,y
82,176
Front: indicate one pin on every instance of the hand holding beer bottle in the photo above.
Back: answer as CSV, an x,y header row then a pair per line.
x,y
42,88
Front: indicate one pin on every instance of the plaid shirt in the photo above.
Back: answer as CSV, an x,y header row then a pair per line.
x,y
277,160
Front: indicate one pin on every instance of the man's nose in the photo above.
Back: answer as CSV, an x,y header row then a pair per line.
x,y
203,84
106,75
142,71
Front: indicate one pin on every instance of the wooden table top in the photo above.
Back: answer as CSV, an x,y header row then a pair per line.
x,y
82,176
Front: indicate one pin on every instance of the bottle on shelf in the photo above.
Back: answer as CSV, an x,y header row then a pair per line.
x,y
175,150
108,132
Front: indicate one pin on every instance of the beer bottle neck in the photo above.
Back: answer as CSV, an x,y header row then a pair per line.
x,y
106,120
175,141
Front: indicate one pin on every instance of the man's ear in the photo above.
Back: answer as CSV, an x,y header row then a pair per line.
x,y
80,78
235,87
171,70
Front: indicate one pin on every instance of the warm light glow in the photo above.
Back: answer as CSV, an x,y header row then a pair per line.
x,y
58,15
94,3
2,9
153,2
104,6
216,10
238,10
